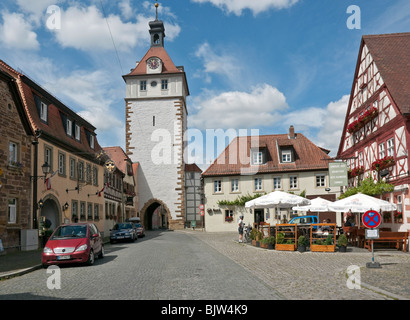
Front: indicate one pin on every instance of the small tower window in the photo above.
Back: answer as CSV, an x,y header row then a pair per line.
x,y
156,38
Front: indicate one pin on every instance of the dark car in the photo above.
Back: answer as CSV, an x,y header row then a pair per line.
x,y
73,243
140,230
123,232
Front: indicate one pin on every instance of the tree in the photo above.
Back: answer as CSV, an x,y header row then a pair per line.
x,y
369,187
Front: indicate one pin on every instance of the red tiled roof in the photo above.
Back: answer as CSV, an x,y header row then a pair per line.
x,y
118,155
167,65
54,127
192,167
391,53
308,156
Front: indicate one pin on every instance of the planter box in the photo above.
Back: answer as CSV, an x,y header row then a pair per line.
x,y
254,243
322,248
285,247
264,245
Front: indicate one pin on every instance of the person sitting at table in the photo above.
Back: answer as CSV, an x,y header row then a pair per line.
x,y
349,222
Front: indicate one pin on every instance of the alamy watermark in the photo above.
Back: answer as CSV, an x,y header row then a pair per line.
x,y
355,20
54,281
54,19
353,281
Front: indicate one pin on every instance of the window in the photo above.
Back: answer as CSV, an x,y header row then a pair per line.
x,y
228,215
88,173
235,185
217,186
74,210
143,85
286,156
258,184
90,211
77,132
257,157
72,168
399,204
61,163
382,151
12,211
164,84
92,140
320,180
81,170
13,153
96,212
293,182
95,176
43,111
69,130
48,156
82,210
277,183
390,148
361,163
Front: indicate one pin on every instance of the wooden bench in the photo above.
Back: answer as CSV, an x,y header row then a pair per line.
x,y
399,238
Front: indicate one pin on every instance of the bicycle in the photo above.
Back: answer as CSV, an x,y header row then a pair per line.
x,y
247,234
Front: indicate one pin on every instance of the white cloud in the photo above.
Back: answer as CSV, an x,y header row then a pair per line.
x,y
235,109
221,64
16,32
126,10
85,28
237,6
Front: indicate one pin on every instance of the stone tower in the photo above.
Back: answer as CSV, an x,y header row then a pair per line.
x,y
156,119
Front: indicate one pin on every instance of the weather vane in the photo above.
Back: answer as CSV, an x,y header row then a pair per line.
x,y
156,10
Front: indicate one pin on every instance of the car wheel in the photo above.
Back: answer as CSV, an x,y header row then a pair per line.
x,y
91,258
102,253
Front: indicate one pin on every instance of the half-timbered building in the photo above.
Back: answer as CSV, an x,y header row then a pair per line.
x,y
375,138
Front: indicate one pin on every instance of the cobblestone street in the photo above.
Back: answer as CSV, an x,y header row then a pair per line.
x,y
194,265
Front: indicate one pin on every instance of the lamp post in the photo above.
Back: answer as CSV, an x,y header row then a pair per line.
x,y
46,170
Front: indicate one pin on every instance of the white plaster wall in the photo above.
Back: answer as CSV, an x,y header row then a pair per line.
x,y
157,172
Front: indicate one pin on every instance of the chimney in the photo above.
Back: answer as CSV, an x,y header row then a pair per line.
x,y
292,133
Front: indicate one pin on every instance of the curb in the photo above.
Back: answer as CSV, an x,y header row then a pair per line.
x,y
20,272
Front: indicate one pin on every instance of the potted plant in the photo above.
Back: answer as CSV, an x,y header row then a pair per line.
x,y
268,242
283,243
253,236
302,243
342,243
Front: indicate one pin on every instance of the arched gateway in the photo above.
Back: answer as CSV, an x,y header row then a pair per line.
x,y
155,215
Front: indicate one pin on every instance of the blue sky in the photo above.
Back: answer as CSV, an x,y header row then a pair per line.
x,y
264,64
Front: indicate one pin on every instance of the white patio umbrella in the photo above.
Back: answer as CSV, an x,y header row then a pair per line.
x,y
278,199
361,203
316,205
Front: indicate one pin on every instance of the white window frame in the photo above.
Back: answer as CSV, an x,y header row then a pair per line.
x,y
143,85
92,141
257,157
43,111
13,152
164,84
77,132
382,150
61,163
217,186
286,156
258,184
277,183
69,130
320,180
390,147
235,185
293,182
12,211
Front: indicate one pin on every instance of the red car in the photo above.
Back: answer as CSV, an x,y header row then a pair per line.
x,y
73,243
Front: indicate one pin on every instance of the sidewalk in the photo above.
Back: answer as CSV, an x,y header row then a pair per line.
x,y
20,262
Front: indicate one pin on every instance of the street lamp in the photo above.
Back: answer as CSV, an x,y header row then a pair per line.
x,y
46,170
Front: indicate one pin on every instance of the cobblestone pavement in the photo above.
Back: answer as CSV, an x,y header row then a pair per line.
x,y
194,265
318,275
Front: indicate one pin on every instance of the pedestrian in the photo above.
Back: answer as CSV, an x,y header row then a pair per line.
x,y
240,228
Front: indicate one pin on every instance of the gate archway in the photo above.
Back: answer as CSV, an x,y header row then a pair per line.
x,y
51,211
155,215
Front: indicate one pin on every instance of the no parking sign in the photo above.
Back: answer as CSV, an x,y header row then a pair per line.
x,y
371,219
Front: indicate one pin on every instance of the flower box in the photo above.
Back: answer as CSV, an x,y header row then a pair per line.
x,y
285,247
398,217
382,164
355,172
362,120
322,248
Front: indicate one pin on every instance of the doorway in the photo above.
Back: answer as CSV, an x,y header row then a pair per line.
x,y
259,216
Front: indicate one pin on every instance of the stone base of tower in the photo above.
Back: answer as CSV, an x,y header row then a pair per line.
x,y
176,224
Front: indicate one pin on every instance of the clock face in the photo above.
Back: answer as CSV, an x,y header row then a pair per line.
x,y
153,63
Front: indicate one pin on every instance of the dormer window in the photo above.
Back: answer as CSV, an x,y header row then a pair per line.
x,y
77,132
92,138
43,111
258,157
69,130
286,156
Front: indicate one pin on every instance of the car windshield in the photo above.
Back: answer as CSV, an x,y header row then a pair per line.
x,y
120,226
67,232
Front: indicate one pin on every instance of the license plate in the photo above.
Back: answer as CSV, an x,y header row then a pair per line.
x,y
63,257
120,237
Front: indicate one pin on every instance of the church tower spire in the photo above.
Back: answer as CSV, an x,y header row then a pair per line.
x,y
157,30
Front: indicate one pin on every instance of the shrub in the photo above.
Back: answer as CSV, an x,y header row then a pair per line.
x,y
302,241
280,238
342,241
